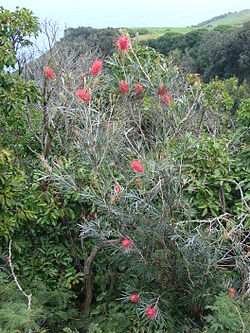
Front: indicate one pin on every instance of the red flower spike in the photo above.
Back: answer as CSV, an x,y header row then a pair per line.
x,y
231,292
96,67
95,215
138,88
84,95
124,87
134,298
161,90
166,98
126,243
123,44
137,166
108,127
151,312
49,73
117,188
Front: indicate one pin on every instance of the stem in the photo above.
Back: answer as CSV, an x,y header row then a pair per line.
x,y
76,257
18,285
88,259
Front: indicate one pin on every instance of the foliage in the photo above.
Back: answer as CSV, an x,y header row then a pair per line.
x,y
130,193
158,207
14,315
13,189
219,52
16,30
50,308
43,256
228,315
103,39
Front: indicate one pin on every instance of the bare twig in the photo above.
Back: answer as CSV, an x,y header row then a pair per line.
x,y
242,322
17,283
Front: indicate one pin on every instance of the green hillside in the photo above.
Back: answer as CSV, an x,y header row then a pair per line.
x,y
236,18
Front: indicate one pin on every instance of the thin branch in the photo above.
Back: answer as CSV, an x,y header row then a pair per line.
x,y
17,283
84,249
242,322
75,254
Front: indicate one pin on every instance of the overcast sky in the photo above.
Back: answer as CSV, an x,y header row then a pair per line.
x,y
127,13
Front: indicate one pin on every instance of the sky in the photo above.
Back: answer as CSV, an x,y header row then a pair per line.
x,y
127,13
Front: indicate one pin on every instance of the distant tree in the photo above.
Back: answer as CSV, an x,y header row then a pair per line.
x,y
102,39
222,52
244,58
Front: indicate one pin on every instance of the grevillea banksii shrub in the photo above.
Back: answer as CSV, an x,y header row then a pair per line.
x,y
174,245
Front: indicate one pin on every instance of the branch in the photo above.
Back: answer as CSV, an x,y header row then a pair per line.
x,y
32,128
77,259
16,282
242,322
84,250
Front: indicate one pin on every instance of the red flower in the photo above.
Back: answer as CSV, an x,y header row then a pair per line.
x,y
83,94
134,298
231,292
137,166
123,44
138,88
96,67
49,73
124,87
166,98
126,243
108,127
117,188
151,312
161,90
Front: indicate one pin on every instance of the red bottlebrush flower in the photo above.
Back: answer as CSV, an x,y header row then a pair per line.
x,y
83,94
96,67
108,127
138,88
151,312
137,166
117,188
134,298
123,44
126,243
166,98
49,73
231,292
124,87
161,90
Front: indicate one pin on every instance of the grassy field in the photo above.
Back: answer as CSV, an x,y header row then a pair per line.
x,y
235,19
157,32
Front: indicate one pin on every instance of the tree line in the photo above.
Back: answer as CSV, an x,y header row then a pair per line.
x,y
222,52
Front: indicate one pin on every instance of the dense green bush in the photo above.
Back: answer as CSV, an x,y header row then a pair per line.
x,y
135,216
228,315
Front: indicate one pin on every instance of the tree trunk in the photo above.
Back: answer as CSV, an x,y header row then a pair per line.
x,y
88,259
87,289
